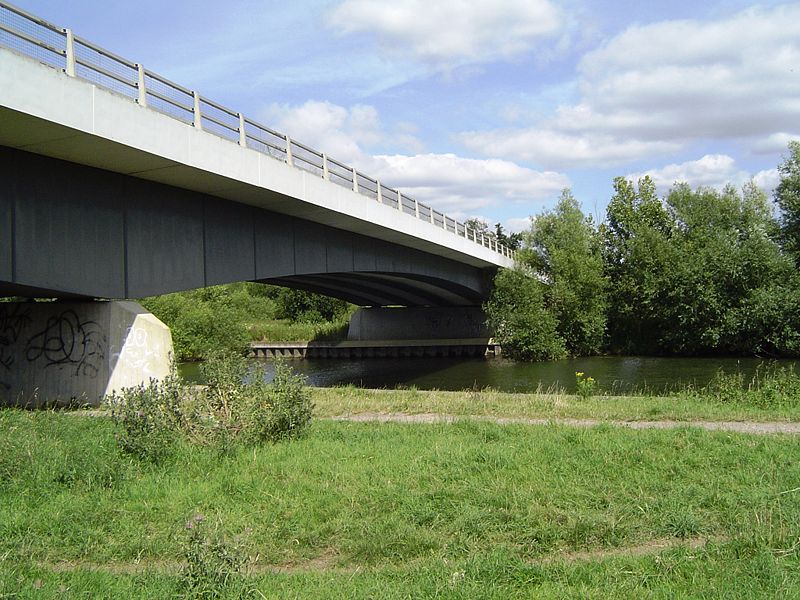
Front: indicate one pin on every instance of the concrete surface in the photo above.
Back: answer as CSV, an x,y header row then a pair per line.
x,y
60,352
463,322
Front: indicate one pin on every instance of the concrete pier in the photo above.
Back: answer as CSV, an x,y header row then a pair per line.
x,y
62,352
418,323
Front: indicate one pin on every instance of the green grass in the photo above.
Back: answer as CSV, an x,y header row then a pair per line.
x,y
468,510
283,330
548,404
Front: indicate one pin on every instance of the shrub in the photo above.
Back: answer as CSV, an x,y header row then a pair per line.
x,y
290,407
299,305
214,562
147,417
236,406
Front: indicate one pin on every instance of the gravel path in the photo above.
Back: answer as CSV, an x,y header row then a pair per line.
x,y
736,426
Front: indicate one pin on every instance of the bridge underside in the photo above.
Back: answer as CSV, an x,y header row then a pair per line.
x,y
68,230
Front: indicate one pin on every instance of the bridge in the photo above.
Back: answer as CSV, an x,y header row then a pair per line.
x,y
118,183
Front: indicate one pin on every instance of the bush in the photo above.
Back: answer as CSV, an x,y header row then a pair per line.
x,y
522,323
213,562
290,406
299,305
237,406
147,417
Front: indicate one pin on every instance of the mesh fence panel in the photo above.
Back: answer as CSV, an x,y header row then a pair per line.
x,y
265,141
55,39
93,57
184,112
340,174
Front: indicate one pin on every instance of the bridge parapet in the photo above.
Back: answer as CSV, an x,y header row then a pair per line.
x,y
57,47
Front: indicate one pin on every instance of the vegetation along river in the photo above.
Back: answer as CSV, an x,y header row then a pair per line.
x,y
614,374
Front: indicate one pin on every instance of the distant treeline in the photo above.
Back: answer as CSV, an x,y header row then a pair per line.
x,y
228,317
699,272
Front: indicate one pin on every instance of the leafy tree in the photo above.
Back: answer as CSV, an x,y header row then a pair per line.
x,y
787,196
564,247
698,273
299,305
510,240
522,323
478,225
637,256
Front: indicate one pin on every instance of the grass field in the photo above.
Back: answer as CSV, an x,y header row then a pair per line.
x,y
363,510
551,405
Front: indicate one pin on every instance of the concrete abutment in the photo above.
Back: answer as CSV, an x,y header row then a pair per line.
x,y
66,352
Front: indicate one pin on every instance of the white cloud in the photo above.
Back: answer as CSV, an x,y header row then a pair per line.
x,y
339,131
517,224
448,182
465,184
712,170
555,148
775,143
767,180
656,88
448,33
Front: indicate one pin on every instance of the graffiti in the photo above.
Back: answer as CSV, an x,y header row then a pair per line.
x,y
68,341
141,352
13,320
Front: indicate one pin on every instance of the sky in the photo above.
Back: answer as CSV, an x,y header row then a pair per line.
x,y
487,108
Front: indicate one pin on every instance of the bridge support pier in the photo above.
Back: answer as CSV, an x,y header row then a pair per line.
x,y
418,323
63,352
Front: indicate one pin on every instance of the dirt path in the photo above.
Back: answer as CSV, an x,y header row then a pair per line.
x,y
327,561
736,426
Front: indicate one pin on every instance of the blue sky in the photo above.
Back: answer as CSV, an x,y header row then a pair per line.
x,y
487,107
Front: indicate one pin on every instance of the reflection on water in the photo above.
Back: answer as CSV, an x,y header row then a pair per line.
x,y
613,373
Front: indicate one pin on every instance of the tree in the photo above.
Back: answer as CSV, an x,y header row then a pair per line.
x,y
564,247
787,196
512,241
636,253
522,323
698,273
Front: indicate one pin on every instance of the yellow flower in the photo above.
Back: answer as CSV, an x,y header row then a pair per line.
x,y
578,374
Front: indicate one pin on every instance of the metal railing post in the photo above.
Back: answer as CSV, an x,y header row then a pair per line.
x,y
326,174
289,159
379,195
140,86
355,180
69,67
416,206
242,132
198,118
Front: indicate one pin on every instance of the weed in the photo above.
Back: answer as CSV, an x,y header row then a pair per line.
x,y
585,386
214,561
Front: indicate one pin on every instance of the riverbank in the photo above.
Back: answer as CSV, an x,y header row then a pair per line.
x,y
684,407
467,509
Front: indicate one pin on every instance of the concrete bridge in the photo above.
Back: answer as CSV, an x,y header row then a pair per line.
x,y
118,183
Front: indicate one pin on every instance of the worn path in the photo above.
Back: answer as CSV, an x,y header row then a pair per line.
x,y
736,426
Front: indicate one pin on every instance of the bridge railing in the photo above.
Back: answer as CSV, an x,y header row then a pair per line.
x,y
60,48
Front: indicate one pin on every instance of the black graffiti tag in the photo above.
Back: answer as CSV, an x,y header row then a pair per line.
x,y
13,320
66,340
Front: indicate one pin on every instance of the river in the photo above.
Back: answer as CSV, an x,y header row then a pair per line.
x,y
614,374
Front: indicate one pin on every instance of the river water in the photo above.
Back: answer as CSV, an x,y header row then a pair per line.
x,y
614,374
